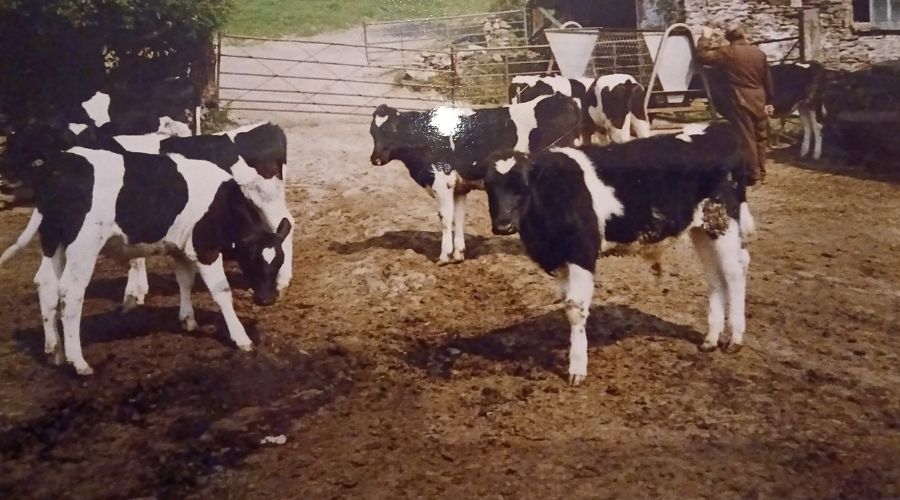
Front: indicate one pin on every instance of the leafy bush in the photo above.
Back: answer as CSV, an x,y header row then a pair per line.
x,y
61,51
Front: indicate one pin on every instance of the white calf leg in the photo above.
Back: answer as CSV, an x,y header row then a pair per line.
x,y
214,277
621,135
185,272
47,280
578,289
286,272
137,287
733,263
641,127
443,192
81,257
717,290
817,136
806,120
459,227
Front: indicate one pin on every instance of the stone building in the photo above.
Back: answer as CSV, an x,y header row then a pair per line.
x,y
855,33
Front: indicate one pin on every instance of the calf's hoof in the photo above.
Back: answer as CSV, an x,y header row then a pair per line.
x,y
57,357
708,346
83,369
188,324
246,347
443,260
733,348
458,256
576,379
130,303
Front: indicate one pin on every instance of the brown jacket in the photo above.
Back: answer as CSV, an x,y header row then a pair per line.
x,y
746,71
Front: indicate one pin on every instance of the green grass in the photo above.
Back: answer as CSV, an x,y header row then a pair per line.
x,y
308,17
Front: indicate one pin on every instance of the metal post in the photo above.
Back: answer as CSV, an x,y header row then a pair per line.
x,y
454,75
366,40
218,65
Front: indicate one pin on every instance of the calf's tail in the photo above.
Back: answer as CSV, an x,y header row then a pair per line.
x,y
30,230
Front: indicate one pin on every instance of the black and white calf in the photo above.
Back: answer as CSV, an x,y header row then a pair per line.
x,y
799,86
146,205
445,149
615,104
169,107
255,155
573,205
528,88
611,105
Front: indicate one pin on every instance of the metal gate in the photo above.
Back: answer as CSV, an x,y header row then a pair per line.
x,y
322,77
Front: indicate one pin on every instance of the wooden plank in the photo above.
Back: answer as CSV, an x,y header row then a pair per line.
x,y
811,36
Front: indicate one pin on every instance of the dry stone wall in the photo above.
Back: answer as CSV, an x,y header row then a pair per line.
x,y
846,46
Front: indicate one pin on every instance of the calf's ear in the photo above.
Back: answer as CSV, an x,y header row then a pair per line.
x,y
284,227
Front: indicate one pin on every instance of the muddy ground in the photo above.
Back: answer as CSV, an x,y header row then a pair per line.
x,y
391,377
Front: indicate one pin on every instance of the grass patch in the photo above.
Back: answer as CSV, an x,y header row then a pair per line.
x,y
308,17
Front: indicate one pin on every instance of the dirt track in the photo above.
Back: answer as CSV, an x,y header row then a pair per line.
x,y
391,377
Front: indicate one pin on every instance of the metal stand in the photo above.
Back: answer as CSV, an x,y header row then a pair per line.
x,y
678,29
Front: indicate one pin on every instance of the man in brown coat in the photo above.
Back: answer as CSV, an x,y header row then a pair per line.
x,y
749,95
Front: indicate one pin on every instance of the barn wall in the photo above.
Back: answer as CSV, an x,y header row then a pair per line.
x,y
771,19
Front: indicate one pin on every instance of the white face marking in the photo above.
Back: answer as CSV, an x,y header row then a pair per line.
x,y
268,255
603,197
379,120
505,165
97,108
77,128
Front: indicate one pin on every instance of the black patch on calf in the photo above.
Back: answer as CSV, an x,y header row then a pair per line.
x,y
264,148
533,92
617,102
557,220
152,196
212,233
558,123
218,149
63,195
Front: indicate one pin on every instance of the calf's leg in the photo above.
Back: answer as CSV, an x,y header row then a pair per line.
x,y
137,287
81,258
47,280
214,277
704,246
442,188
733,262
185,273
459,227
577,287
806,120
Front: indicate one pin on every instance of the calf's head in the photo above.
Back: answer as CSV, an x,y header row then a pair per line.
x,y
385,133
506,183
260,256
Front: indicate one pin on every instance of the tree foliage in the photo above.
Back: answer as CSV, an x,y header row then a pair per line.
x,y
61,51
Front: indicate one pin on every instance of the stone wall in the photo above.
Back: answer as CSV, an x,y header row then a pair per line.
x,y
846,46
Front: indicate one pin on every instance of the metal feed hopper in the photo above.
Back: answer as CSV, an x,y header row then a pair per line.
x,y
671,52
